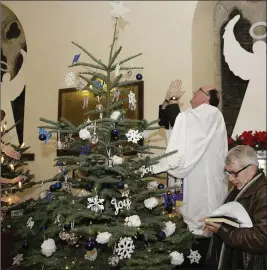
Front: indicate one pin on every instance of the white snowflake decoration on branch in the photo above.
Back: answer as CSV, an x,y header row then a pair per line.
x,y
80,84
95,204
133,136
18,259
125,248
194,256
70,79
30,223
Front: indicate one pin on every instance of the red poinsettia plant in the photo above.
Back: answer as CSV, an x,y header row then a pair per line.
x,y
257,140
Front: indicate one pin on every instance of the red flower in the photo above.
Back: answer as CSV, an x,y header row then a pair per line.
x,y
260,136
230,141
247,138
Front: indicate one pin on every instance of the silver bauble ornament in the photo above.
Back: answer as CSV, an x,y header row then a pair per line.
x,y
64,235
73,239
113,261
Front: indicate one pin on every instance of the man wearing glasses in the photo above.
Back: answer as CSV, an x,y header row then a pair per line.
x,y
242,248
200,138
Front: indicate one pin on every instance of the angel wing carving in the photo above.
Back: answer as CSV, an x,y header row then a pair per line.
x,y
252,67
10,90
238,59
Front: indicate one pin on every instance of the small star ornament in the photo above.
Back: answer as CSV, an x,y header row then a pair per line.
x,y
118,9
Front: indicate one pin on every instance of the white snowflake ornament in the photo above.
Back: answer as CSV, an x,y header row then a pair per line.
x,y
95,204
18,259
30,223
194,256
80,84
133,136
125,248
70,79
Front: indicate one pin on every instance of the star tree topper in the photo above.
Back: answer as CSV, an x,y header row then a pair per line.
x,y
118,9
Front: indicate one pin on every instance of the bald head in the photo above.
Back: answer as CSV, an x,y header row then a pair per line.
x,y
205,95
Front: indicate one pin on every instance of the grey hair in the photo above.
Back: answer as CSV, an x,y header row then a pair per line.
x,y
244,154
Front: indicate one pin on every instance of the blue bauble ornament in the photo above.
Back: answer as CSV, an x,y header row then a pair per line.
x,y
58,185
114,133
67,227
161,235
139,76
90,245
160,186
120,185
89,186
53,188
42,137
25,244
59,163
43,228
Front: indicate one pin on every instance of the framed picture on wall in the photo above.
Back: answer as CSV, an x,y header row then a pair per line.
x,y
73,105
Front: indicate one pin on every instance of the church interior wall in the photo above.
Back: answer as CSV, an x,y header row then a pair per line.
x,y
160,30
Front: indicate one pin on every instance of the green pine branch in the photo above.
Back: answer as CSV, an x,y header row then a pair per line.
x,y
83,64
96,74
125,60
90,55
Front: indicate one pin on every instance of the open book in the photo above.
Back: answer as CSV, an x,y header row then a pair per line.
x,y
233,214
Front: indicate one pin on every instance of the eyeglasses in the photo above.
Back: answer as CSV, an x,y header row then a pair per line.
x,y
201,90
235,174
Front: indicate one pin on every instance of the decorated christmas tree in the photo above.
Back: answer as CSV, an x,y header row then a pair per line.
x,y
105,209
14,177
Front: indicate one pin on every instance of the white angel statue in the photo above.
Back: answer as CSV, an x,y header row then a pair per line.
x,y
252,67
10,90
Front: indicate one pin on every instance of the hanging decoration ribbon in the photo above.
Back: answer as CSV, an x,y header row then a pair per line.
x,y
10,151
12,181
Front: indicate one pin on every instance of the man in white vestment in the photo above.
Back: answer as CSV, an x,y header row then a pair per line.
x,y
200,138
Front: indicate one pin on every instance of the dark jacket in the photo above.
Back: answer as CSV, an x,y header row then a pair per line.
x,y
246,248
168,115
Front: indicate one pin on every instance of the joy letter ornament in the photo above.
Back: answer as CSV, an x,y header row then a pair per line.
x,y
119,205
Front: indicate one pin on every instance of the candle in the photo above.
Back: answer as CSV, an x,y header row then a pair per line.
x,y
9,200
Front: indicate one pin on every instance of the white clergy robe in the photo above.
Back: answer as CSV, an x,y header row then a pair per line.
x,y
200,137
